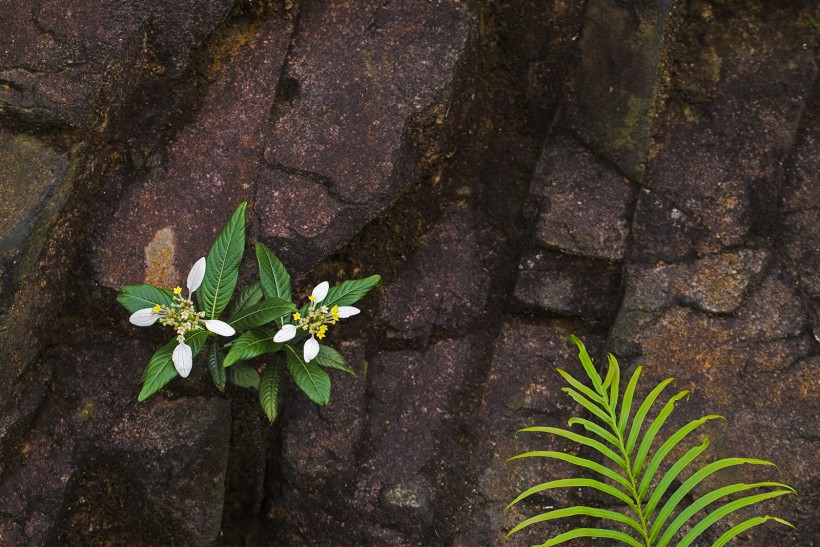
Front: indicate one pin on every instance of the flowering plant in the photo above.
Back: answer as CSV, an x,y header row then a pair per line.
x,y
273,328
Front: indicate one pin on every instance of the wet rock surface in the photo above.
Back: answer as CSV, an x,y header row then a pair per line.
x,y
644,177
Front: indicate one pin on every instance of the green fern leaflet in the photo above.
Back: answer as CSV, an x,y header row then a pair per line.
x,y
654,489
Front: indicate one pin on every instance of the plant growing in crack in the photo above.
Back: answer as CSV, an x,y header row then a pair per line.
x,y
274,333
631,476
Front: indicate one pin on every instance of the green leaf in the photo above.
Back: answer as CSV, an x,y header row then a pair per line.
x,y
667,447
738,529
270,388
580,439
308,376
587,363
637,422
592,533
626,405
576,511
215,366
160,369
273,276
351,291
654,427
695,479
581,387
139,297
246,297
575,483
616,382
580,462
222,265
244,375
589,405
592,427
724,510
266,311
707,499
251,344
330,358
671,475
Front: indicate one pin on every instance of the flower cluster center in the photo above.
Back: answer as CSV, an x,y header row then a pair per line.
x,y
317,319
181,315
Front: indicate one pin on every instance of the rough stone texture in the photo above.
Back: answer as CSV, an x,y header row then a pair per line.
x,y
616,89
800,213
523,389
96,466
35,182
320,455
211,167
404,415
155,120
558,284
339,149
445,284
726,175
569,185
74,65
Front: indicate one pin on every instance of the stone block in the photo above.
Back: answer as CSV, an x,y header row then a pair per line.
x,y
558,284
617,87
444,286
584,206
72,66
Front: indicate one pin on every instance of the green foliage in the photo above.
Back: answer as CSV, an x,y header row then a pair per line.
x,y
266,311
137,297
270,388
251,344
222,265
308,376
215,359
632,474
258,314
160,369
244,375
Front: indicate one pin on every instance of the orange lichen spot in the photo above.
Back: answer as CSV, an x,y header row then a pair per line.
x,y
159,259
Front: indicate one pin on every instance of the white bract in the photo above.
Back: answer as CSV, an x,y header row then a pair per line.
x,y
184,318
316,322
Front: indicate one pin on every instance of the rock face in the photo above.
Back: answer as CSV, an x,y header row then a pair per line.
x,y
643,176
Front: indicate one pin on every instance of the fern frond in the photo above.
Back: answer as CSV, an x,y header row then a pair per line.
x,y
626,448
579,510
592,533
738,529
574,483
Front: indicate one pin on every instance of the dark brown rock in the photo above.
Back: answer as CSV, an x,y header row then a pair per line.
x,y
523,389
319,444
569,184
74,65
405,415
168,220
553,283
339,150
616,90
445,284
732,116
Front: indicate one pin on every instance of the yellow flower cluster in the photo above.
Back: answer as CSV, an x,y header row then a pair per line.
x,y
318,319
181,315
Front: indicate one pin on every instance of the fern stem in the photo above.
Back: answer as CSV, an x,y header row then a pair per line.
x,y
633,484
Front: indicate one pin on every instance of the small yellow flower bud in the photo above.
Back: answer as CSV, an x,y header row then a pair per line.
x,y
297,316
312,298
156,308
177,290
